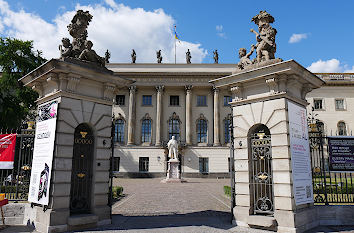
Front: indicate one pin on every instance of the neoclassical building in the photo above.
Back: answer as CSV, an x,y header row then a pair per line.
x,y
178,100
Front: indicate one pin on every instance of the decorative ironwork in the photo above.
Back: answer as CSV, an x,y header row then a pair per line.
x,y
81,175
15,182
261,172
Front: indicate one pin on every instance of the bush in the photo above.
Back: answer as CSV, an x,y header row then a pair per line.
x,y
117,191
227,190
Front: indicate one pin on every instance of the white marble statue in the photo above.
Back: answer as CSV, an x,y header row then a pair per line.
x,y
172,146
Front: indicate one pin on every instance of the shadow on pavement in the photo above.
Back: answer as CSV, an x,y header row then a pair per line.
x,y
211,218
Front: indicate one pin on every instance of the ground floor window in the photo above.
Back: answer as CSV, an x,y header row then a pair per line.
x,y
116,163
203,165
143,164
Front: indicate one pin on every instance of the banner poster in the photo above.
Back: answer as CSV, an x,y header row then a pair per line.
x,y
300,154
341,153
7,150
43,153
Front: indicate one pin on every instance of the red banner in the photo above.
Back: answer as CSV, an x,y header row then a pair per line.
x,y
7,150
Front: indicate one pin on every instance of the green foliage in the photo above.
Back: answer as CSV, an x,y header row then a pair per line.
x,y
17,59
227,190
117,191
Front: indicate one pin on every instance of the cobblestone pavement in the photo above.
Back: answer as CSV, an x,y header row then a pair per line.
x,y
198,206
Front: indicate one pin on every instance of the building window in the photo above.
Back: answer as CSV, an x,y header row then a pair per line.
x,y
143,164
318,104
342,131
173,126
227,100
147,100
339,104
203,165
202,129
227,135
174,100
119,131
120,100
201,100
146,130
116,163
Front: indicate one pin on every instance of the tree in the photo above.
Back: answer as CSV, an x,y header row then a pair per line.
x,y
17,58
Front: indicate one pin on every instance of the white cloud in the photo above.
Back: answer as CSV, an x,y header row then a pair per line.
x,y
295,38
115,27
220,32
329,66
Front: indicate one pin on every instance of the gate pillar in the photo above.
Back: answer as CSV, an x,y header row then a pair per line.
x,y
273,185
79,188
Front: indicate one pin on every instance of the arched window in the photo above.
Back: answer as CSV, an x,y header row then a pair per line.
x,y
341,128
202,129
146,129
227,134
119,131
174,126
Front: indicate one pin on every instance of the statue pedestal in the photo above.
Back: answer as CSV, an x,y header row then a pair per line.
x,y
173,172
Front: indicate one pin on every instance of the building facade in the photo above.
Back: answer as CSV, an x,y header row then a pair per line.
x,y
178,100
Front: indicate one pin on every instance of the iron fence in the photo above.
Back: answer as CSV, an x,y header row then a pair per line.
x,y
328,187
15,182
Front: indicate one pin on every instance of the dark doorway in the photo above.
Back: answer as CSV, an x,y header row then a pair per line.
x,y
81,175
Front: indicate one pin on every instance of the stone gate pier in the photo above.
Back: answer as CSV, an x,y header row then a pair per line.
x,y
78,194
273,188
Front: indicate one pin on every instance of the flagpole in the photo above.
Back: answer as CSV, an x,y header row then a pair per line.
x,y
175,50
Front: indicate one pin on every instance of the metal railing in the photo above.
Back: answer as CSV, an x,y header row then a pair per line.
x,y
328,187
15,182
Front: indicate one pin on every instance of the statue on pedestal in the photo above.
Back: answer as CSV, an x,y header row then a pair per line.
x,y
266,46
107,56
80,48
172,146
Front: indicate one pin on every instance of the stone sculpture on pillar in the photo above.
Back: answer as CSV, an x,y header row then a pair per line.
x,y
173,171
265,47
107,56
80,48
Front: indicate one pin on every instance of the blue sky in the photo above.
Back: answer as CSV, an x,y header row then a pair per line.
x,y
324,28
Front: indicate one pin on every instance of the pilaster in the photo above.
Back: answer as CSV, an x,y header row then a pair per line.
x,y
131,116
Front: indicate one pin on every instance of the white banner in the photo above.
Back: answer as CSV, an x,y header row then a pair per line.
x,y
43,153
300,154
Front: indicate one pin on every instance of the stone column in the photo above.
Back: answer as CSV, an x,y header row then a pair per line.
x,y
216,117
131,117
159,90
188,114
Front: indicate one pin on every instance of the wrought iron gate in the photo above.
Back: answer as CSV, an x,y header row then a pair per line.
x,y
15,182
81,175
261,174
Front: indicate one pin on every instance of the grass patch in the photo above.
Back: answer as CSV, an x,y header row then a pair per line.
x,y
227,190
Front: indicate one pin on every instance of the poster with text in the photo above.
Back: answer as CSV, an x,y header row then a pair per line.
x,y
341,153
300,154
43,153
7,150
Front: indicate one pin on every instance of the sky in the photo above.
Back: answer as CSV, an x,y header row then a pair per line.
x,y
317,34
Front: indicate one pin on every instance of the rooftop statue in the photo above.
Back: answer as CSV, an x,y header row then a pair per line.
x,y
80,48
133,55
188,57
216,56
159,57
107,56
266,46
244,57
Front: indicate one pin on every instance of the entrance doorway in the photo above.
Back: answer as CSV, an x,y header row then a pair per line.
x,y
81,175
